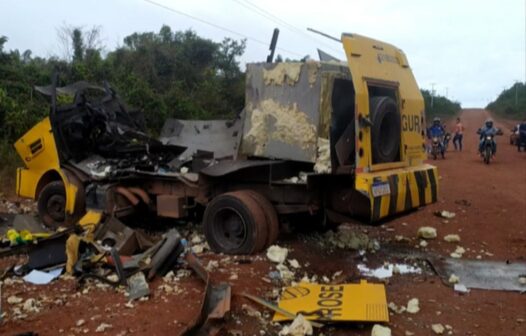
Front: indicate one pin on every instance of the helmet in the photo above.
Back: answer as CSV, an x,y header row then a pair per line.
x,y
489,122
436,121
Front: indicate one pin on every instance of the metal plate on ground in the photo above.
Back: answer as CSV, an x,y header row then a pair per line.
x,y
361,302
480,274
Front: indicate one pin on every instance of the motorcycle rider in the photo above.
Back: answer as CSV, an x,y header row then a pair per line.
x,y
437,130
486,130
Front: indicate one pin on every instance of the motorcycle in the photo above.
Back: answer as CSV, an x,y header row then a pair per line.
x,y
437,148
488,144
487,148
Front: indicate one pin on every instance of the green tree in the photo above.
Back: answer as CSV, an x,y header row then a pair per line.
x,y
511,103
78,45
441,106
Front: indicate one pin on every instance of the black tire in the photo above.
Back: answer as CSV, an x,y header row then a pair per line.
x,y
52,204
271,217
386,129
487,155
234,223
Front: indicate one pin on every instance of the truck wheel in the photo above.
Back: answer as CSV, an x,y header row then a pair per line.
x,y
271,217
52,204
234,223
386,129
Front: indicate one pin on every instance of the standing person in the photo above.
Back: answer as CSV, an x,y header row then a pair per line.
x,y
459,134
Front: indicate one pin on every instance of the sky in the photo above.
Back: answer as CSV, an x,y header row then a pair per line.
x,y
466,50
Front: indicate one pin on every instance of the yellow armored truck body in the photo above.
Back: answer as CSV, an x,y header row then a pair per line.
x,y
331,139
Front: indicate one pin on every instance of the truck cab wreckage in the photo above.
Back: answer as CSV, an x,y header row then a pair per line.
x,y
330,138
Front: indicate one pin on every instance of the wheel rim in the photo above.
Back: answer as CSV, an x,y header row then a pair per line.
x,y
55,207
229,228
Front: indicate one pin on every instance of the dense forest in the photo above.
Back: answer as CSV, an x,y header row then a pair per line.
x,y
511,103
164,74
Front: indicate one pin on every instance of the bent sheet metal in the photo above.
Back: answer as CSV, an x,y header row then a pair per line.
x,y
362,302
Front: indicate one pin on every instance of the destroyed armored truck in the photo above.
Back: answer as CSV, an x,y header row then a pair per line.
x,y
330,139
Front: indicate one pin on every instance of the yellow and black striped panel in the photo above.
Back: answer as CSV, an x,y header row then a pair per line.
x,y
410,189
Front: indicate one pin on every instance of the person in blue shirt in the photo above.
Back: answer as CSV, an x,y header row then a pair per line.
x,y
485,130
437,130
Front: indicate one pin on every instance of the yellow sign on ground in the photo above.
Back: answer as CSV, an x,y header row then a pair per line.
x,y
363,302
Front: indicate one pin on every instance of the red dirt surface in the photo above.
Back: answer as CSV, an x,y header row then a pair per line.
x,y
490,206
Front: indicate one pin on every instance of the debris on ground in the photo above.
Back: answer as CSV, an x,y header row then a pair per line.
x,y
387,270
460,288
380,330
459,251
426,232
103,327
397,309
347,237
413,306
438,328
452,238
285,273
31,306
453,279
299,327
37,277
14,299
445,214
294,263
277,254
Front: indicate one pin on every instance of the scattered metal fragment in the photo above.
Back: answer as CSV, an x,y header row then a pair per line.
x,y
493,275
215,306
137,286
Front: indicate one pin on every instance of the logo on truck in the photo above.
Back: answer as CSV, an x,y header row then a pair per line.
x,y
411,123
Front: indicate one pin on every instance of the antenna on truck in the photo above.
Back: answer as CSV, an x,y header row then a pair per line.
x,y
324,35
273,44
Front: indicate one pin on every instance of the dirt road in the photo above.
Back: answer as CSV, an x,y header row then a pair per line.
x,y
490,206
